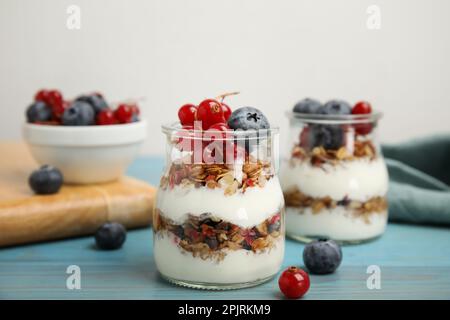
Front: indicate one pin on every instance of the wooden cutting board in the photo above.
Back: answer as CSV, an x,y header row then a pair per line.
x,y
73,211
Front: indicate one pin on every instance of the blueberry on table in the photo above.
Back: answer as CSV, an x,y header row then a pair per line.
x,y
307,105
248,118
110,236
327,136
335,107
95,100
78,114
38,111
322,256
46,180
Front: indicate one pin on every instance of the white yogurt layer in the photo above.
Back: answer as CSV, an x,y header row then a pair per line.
x,y
243,209
336,224
238,266
358,179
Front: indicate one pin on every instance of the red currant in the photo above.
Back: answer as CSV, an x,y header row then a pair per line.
x,y
187,114
210,112
221,126
124,113
362,107
56,103
106,117
135,109
294,282
304,138
41,95
226,111
363,128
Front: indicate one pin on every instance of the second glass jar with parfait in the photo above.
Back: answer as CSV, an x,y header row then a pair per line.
x,y
334,178
219,216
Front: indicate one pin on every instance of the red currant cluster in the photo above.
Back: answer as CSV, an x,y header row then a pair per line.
x,y
54,100
50,108
124,113
212,114
210,117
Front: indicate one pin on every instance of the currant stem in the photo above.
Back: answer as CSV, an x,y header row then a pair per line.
x,y
223,96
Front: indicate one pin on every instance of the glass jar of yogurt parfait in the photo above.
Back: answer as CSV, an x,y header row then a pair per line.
x,y
219,216
334,179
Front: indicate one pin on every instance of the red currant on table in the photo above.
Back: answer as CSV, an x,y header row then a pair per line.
x,y
226,111
187,114
106,117
294,282
124,113
210,112
362,107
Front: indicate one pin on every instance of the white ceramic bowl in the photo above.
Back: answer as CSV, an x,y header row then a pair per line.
x,y
86,154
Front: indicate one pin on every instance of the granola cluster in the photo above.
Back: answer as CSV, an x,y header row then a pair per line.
x,y
250,174
319,155
207,237
295,198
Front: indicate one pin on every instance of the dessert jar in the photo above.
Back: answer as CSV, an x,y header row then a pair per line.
x,y
219,216
334,178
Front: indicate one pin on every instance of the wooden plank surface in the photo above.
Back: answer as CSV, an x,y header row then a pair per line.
x,y
414,263
75,210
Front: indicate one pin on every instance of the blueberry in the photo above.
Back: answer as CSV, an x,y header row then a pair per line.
x,y
212,242
135,118
38,111
336,107
307,105
327,136
46,180
322,256
179,232
248,118
110,236
274,226
95,100
78,114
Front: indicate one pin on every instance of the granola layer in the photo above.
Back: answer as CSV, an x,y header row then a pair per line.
x,y
208,237
295,198
317,156
231,178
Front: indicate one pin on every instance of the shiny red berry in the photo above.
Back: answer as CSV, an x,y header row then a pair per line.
x,y
294,282
56,103
124,113
41,95
105,117
363,128
135,109
304,138
362,107
210,112
226,111
221,126
187,114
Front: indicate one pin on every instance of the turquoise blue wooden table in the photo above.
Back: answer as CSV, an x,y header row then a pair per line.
x,y
414,263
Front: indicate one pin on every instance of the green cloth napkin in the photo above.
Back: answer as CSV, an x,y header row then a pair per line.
x,y
419,186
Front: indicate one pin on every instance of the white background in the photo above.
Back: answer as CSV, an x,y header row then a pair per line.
x,y
274,52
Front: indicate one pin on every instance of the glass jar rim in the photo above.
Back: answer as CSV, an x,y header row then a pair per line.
x,y
176,127
335,118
